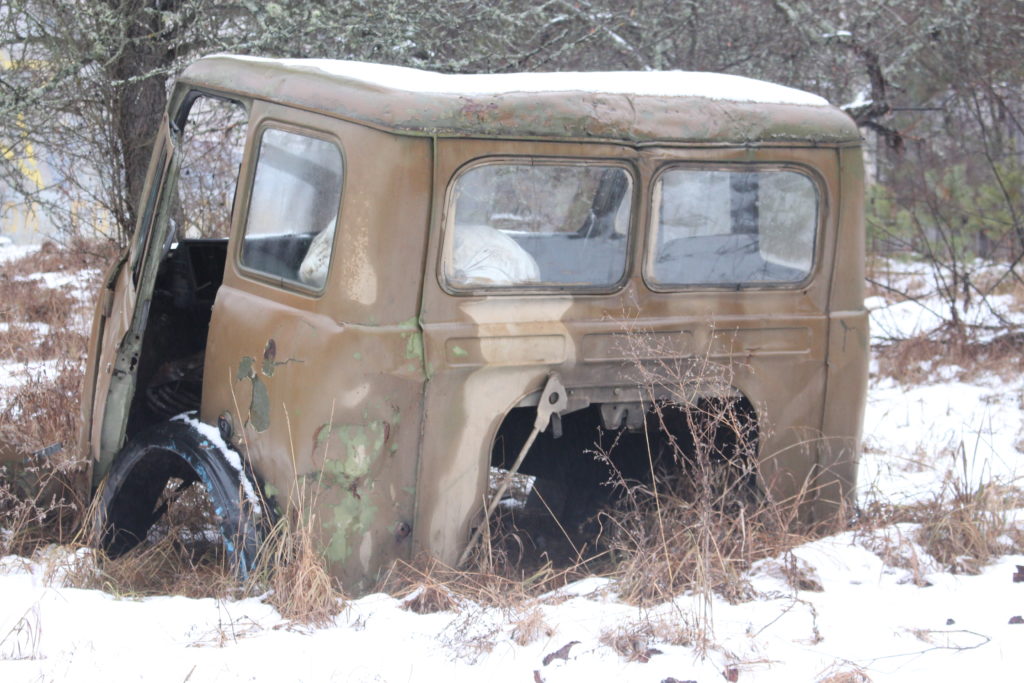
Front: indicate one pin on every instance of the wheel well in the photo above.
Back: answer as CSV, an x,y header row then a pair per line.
x,y
159,469
133,507
587,468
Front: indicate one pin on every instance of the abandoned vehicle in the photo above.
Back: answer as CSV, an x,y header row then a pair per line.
x,y
357,289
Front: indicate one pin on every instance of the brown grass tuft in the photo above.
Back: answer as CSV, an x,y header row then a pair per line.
x,y
42,500
968,523
847,673
293,566
531,626
428,585
170,566
635,641
917,360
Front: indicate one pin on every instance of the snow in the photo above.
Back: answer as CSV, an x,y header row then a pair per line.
x,y
885,609
644,83
865,617
13,252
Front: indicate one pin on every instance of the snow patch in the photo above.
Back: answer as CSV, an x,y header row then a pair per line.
x,y
710,86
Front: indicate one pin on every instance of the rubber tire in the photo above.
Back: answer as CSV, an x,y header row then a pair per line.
x,y
127,497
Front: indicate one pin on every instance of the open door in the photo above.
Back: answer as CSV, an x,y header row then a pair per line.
x,y
189,193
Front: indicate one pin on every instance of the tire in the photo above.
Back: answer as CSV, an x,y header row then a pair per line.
x,y
127,505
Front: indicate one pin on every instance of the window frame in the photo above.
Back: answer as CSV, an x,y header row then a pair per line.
x,y
654,215
447,241
255,144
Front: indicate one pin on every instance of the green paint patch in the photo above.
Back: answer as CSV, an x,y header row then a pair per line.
x,y
459,352
413,345
259,403
245,368
350,453
350,450
350,519
259,408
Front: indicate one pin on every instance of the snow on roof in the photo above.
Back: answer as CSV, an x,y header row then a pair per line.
x,y
711,86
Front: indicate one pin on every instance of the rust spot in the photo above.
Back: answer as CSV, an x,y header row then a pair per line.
x,y
270,351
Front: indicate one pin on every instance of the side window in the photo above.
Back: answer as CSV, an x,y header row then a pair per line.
x,y
515,224
726,227
293,209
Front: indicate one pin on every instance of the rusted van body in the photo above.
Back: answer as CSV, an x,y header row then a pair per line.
x,y
409,256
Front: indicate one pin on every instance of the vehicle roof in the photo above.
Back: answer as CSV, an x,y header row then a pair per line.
x,y
626,106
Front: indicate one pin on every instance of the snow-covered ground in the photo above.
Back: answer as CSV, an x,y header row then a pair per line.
x,y
870,621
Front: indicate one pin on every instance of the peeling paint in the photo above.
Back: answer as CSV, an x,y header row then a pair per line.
x,y
268,366
245,368
350,452
259,408
413,344
350,518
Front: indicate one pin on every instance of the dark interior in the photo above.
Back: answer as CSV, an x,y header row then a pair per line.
x,y
170,374
277,255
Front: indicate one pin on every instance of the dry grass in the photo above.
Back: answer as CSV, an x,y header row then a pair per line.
x,y
702,518
42,323
76,255
294,568
427,585
182,554
967,524
635,640
917,360
963,527
846,673
169,566
530,626
42,500
703,543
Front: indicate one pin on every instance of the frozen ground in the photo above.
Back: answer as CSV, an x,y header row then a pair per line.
x,y
871,621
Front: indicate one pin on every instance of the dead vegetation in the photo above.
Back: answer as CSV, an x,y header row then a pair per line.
x,y
917,360
635,640
294,570
960,347
43,499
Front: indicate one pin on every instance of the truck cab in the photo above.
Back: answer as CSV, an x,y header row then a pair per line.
x,y
351,285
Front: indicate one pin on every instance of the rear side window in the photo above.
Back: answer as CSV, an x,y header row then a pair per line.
x,y
514,224
732,227
293,210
